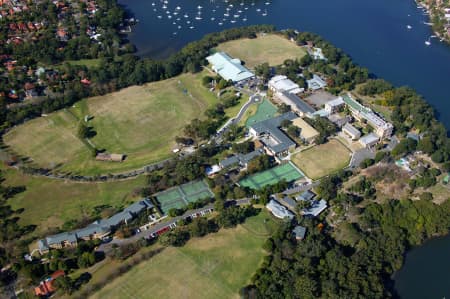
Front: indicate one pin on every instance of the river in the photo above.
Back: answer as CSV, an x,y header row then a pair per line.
x,y
373,32
426,271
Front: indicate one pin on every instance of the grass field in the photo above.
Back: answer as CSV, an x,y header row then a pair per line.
x,y
272,176
323,159
179,196
140,122
215,266
49,203
264,111
270,48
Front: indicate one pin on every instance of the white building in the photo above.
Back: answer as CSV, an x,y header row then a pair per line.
x,y
281,83
351,131
334,105
316,83
229,68
369,140
279,210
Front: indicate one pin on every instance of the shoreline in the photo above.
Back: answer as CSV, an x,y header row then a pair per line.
x,y
428,11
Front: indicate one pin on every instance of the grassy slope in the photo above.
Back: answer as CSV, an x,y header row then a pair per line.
x,y
271,48
139,121
49,203
323,159
215,266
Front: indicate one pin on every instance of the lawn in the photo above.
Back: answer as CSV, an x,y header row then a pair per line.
x,y
140,122
49,203
215,266
322,160
271,48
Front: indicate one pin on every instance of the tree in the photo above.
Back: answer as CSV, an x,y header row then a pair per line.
x,y
65,284
83,130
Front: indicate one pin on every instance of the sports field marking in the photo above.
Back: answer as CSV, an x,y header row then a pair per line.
x,y
272,176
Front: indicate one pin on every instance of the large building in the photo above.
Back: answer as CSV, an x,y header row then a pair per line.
x,y
351,131
316,83
96,230
307,132
270,135
240,160
296,104
281,83
334,105
229,68
382,128
278,210
369,140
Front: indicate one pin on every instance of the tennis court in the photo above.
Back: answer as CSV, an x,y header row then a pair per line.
x,y
179,196
286,172
266,110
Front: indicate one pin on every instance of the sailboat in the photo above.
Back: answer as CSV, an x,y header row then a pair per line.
x,y
409,27
427,42
264,13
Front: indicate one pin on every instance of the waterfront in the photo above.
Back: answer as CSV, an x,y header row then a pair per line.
x,y
425,273
374,33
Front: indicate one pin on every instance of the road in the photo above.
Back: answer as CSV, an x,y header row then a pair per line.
x,y
106,247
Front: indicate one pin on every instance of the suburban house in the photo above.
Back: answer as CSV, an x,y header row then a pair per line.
x,y
278,210
316,83
317,207
297,105
270,135
240,160
299,232
46,287
307,132
369,140
96,230
351,131
382,128
306,195
281,83
229,68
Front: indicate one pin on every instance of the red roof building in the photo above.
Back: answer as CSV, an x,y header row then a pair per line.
x,y
46,287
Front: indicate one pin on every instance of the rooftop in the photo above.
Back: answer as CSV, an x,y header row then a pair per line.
x,y
282,83
317,207
276,140
229,68
369,139
316,83
299,232
351,129
278,210
307,195
293,100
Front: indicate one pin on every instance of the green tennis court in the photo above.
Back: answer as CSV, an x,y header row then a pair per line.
x,y
179,196
286,172
266,110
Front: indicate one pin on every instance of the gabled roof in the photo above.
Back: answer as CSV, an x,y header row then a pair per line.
x,y
307,195
299,232
62,237
229,68
294,100
317,207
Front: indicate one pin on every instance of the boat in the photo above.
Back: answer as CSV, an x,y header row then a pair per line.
x,y
199,7
429,24
154,9
159,17
220,23
427,42
267,3
233,21
244,19
264,13
188,22
164,6
179,27
236,16
192,27
409,26
153,3
258,9
212,19
169,16
178,8
174,33
226,14
186,16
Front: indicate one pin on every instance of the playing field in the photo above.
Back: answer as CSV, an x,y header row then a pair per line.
x,y
271,48
264,111
140,122
286,172
215,266
323,159
179,196
48,203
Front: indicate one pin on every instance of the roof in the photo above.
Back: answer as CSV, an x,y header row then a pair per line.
x,y
317,207
351,130
316,83
229,68
62,237
282,83
307,195
299,232
276,140
336,102
241,159
278,210
42,245
369,139
288,203
92,229
230,161
295,102
307,131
